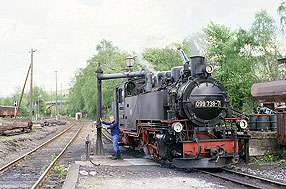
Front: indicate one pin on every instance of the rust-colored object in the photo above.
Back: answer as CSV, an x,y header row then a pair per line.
x,y
8,111
274,91
128,141
281,128
7,125
281,61
192,147
172,121
233,118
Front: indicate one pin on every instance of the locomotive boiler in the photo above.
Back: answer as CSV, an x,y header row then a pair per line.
x,y
182,116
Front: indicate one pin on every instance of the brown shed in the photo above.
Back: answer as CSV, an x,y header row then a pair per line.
x,y
274,91
8,111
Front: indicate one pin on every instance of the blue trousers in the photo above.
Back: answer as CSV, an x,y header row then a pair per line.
x,y
115,139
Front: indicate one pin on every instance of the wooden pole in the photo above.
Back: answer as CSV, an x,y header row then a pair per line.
x,y
17,108
31,86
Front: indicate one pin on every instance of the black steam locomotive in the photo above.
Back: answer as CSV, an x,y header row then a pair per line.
x,y
182,116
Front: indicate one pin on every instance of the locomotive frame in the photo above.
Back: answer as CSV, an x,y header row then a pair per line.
x,y
182,116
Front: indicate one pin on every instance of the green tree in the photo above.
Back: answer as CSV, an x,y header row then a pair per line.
x,y
75,100
164,59
219,43
263,31
244,57
82,95
25,104
282,13
226,53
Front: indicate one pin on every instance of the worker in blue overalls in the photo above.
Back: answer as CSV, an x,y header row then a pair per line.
x,y
115,136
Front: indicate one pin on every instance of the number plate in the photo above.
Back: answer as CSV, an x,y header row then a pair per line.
x,y
207,104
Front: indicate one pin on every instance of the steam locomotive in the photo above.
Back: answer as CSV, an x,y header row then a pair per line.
x,y
182,116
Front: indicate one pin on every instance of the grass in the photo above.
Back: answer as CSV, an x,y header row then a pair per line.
x,y
283,152
270,159
84,158
43,170
52,158
35,130
49,161
61,170
85,119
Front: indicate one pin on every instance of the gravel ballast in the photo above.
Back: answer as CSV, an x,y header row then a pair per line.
x,y
273,172
12,147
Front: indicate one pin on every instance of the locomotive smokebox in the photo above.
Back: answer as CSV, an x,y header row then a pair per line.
x,y
204,101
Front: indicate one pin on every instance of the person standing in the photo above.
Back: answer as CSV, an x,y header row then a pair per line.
x,y
115,135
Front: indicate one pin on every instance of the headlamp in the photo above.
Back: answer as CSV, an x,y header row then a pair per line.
x,y
209,69
243,124
177,127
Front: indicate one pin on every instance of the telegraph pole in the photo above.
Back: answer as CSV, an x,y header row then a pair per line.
x,y
31,86
51,104
19,105
39,106
56,95
61,100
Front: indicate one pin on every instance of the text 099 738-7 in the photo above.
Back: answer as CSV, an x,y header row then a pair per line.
x,y
207,103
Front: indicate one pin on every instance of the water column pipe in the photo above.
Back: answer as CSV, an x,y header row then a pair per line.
x,y
100,76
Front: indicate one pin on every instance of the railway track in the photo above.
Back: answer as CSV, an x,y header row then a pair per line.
x,y
247,180
240,178
31,169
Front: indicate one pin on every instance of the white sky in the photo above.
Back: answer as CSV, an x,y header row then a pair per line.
x,y
66,32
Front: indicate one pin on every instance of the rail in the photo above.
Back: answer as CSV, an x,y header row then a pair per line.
x,y
35,149
42,177
246,179
257,177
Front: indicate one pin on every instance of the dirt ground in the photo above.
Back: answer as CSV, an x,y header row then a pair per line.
x,y
133,170
74,153
11,147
